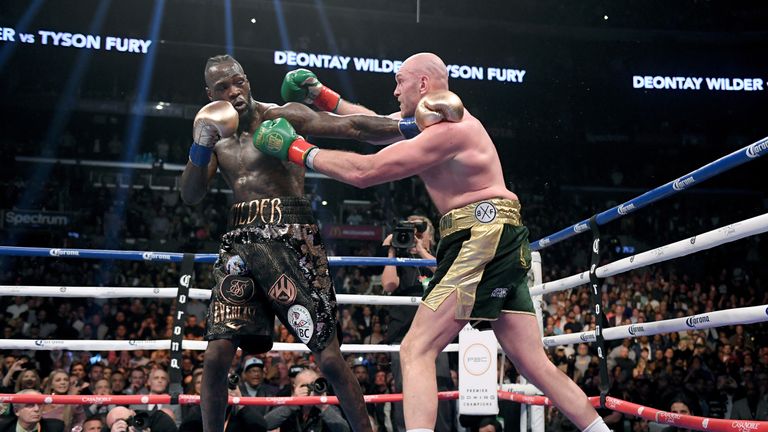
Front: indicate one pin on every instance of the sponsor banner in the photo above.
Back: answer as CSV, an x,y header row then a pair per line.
x,y
353,232
477,372
35,219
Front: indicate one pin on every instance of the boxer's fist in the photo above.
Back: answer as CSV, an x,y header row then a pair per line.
x,y
302,85
438,106
216,120
278,138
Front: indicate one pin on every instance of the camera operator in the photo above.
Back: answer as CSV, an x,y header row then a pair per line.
x,y
412,281
294,418
122,419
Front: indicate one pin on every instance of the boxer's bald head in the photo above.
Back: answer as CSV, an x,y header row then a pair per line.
x,y
420,74
431,66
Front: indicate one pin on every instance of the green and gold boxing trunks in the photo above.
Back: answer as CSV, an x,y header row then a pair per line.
x,y
484,257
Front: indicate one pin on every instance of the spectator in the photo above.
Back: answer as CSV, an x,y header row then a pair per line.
x,y
57,383
253,381
28,417
158,385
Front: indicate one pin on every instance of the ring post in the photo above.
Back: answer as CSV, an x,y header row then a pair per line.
x,y
600,321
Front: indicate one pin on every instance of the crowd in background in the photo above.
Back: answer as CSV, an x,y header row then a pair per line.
x,y
723,371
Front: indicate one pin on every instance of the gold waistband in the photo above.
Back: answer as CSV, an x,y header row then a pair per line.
x,y
492,211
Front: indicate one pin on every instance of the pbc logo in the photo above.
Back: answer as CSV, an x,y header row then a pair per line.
x,y
283,290
301,322
237,290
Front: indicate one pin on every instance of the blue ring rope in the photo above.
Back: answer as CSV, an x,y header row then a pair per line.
x,y
334,261
725,163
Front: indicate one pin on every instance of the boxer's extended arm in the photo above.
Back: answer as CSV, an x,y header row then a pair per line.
x,y
359,127
435,145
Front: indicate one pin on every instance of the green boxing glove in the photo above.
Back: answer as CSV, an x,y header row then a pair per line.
x,y
278,138
302,85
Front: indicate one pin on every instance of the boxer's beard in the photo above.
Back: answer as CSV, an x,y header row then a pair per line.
x,y
246,118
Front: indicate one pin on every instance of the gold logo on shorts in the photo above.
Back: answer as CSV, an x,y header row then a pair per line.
x,y
283,290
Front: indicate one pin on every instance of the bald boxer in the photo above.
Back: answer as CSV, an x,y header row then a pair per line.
x,y
272,261
483,257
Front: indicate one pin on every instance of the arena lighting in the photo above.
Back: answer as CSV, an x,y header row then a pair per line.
x,y
7,49
346,84
136,119
285,42
62,113
228,30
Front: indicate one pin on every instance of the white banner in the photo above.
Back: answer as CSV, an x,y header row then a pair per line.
x,y
477,372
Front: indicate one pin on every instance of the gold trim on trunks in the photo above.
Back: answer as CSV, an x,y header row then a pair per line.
x,y
467,269
493,211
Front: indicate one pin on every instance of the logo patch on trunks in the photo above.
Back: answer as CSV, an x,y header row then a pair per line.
x,y
485,212
499,292
236,266
284,290
237,290
301,321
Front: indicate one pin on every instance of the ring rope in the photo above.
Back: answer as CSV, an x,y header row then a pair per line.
x,y
164,344
707,240
194,293
619,405
725,163
127,255
727,317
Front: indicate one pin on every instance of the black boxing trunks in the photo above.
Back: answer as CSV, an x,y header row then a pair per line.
x,y
484,257
271,263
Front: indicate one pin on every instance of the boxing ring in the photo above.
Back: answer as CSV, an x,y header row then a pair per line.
x,y
524,394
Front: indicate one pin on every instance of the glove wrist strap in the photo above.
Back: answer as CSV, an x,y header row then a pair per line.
x,y
327,100
200,155
408,127
297,152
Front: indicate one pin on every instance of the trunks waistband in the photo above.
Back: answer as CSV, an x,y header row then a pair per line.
x,y
271,211
492,211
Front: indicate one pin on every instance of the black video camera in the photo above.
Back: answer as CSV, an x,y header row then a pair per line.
x,y
233,380
318,387
139,421
404,235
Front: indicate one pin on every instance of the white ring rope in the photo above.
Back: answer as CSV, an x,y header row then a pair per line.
x,y
708,240
164,344
194,293
747,315
722,318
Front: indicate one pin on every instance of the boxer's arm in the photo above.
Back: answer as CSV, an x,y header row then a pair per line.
x,y
195,179
346,108
323,124
435,145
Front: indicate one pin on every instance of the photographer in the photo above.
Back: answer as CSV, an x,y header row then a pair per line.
x,y
122,419
412,238
294,418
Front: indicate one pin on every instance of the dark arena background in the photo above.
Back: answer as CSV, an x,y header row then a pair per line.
x,y
590,104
